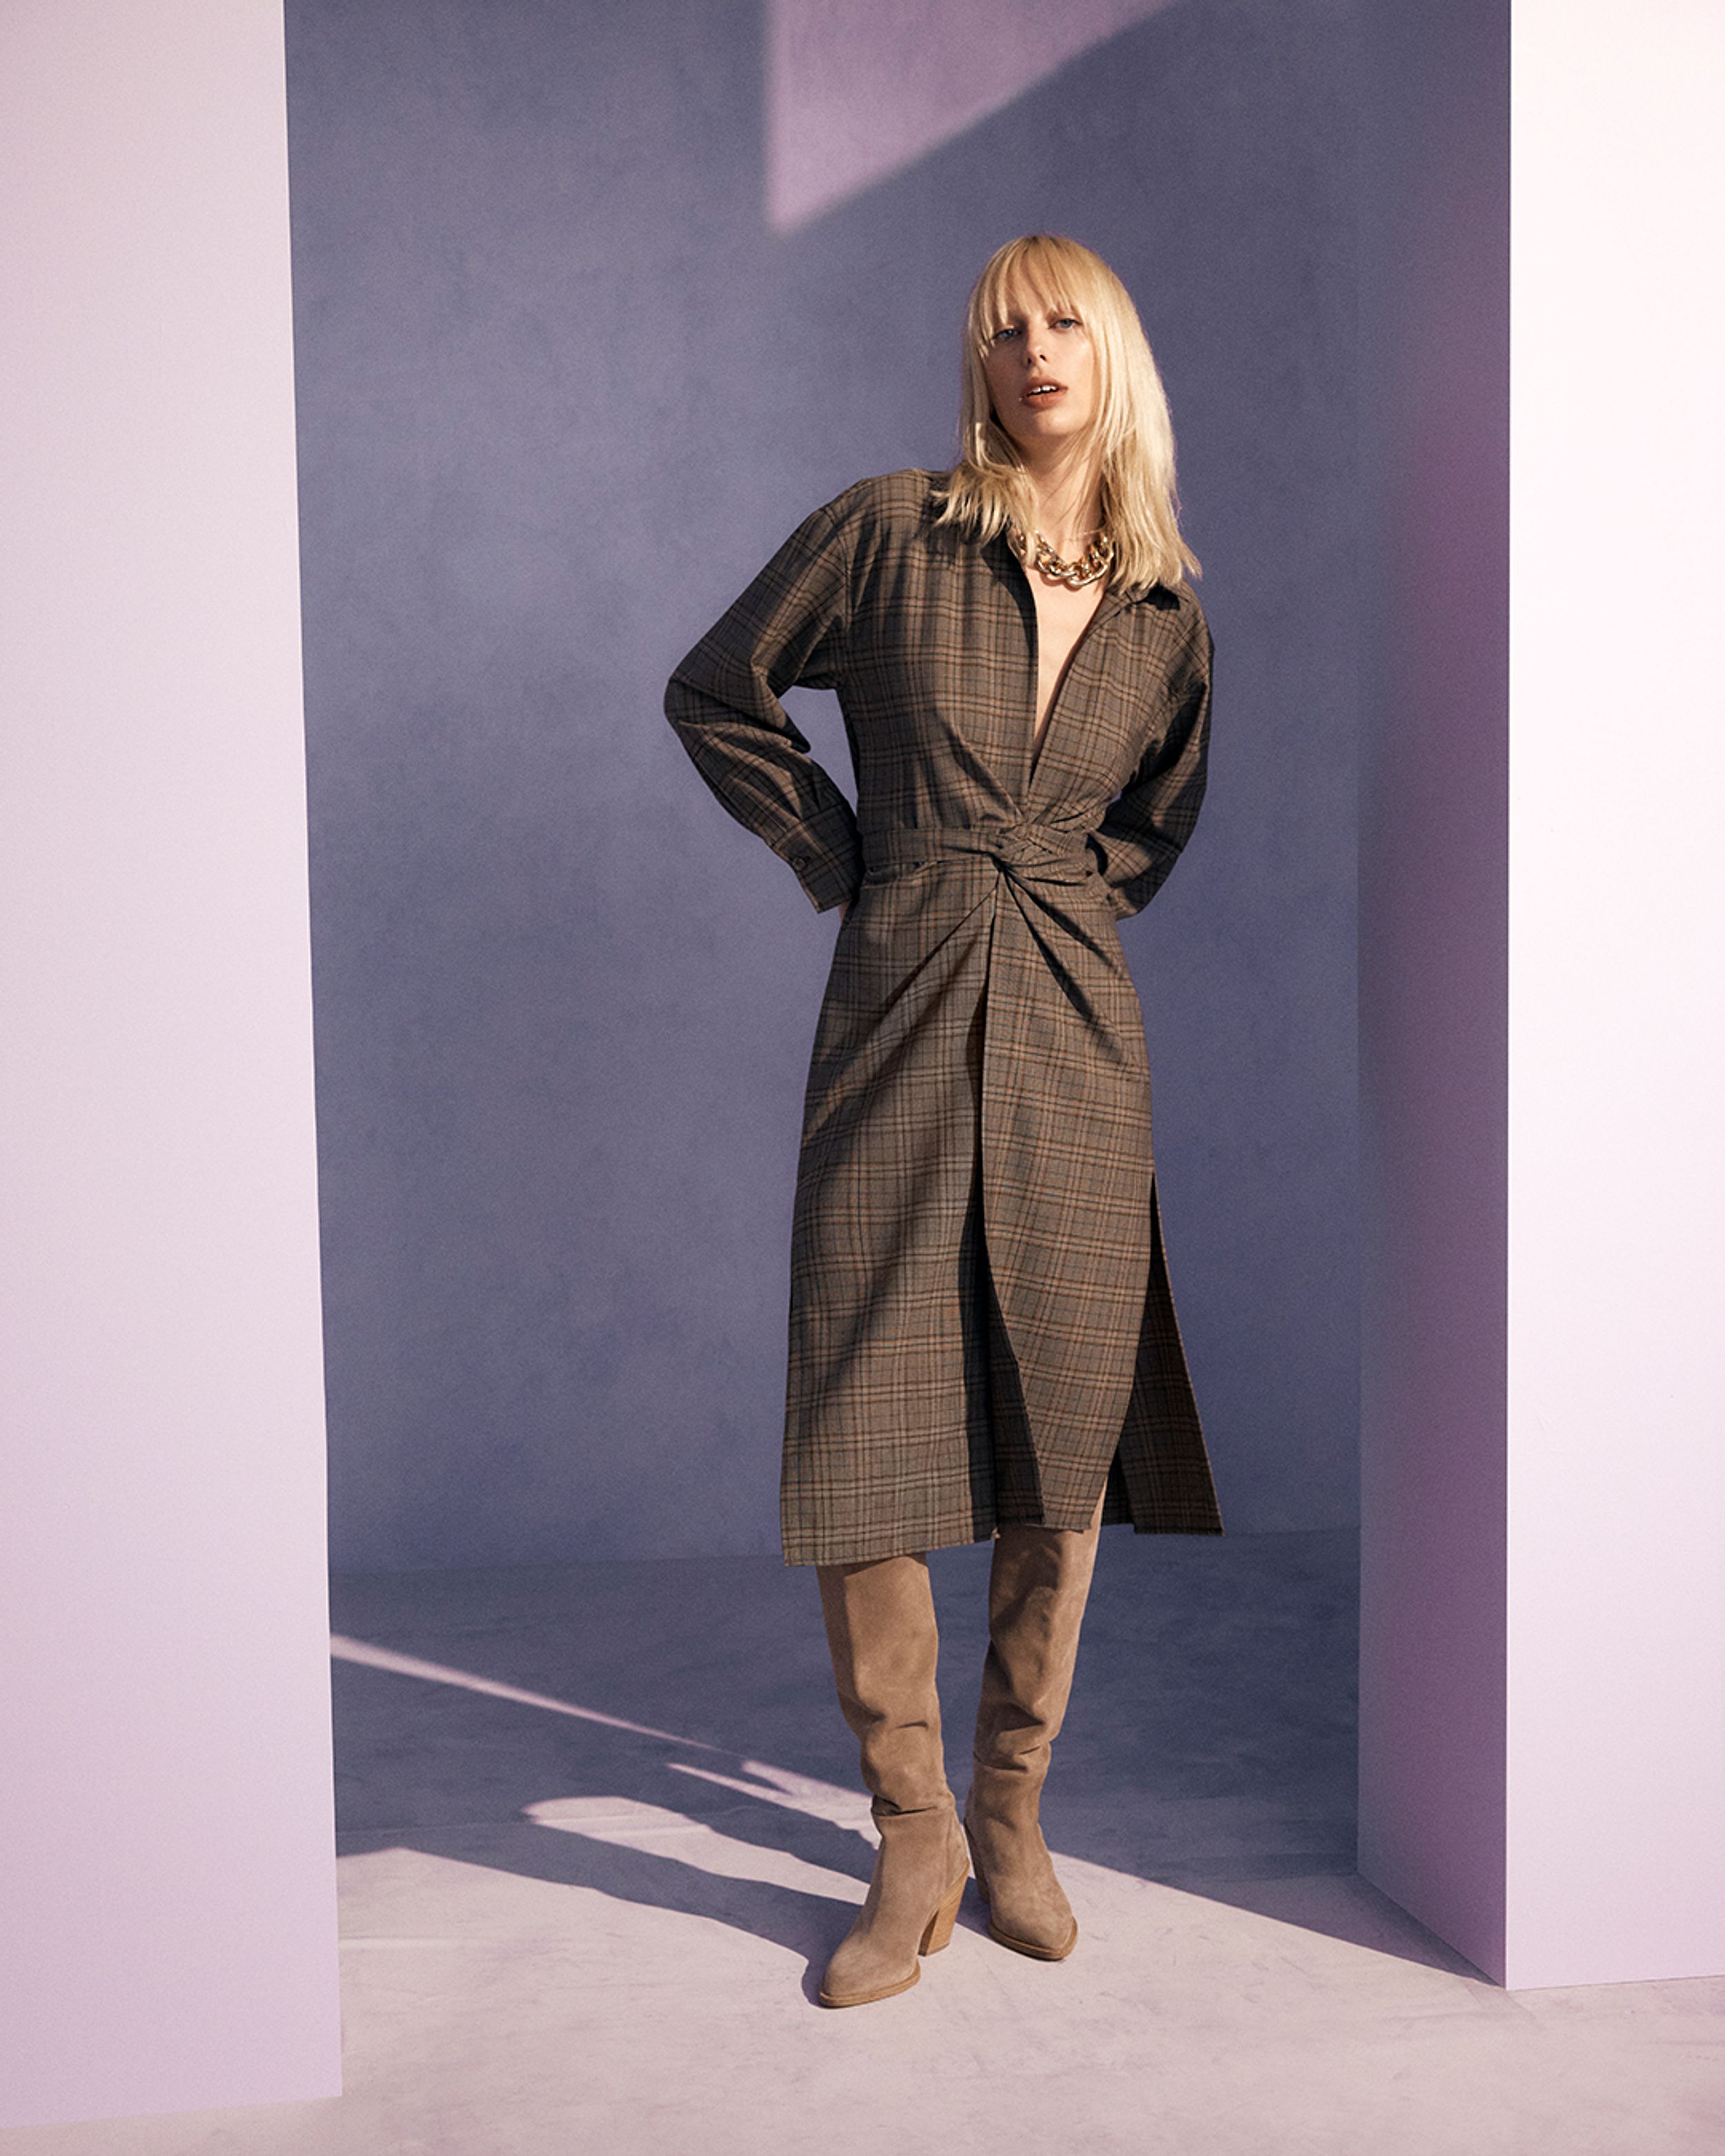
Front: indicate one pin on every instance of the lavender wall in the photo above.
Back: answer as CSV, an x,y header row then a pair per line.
x,y
1616,1603
561,388
167,1862
1542,1610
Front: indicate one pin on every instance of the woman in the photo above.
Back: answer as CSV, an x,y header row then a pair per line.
x,y
982,1341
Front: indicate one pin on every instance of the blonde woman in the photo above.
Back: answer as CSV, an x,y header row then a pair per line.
x,y
982,1341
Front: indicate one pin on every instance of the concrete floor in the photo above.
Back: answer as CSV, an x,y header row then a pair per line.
x,y
600,1830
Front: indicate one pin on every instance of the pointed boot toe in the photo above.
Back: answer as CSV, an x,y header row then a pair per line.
x,y
1028,1909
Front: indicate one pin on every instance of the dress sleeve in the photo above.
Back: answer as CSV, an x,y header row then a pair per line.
x,y
1146,824
788,628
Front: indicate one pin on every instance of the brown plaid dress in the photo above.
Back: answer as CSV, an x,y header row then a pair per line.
x,y
981,1325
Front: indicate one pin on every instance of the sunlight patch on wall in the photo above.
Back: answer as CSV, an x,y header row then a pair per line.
x,y
857,89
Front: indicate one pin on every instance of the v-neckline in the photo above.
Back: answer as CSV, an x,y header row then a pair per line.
x,y
1109,604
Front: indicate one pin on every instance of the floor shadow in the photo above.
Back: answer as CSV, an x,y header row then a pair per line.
x,y
1209,1748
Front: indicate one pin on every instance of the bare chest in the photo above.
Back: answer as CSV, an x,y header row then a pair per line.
x,y
1062,616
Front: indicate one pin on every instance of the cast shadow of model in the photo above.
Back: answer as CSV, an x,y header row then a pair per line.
x,y
430,1758
665,1734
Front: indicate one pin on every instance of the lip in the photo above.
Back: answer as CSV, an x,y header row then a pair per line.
x,y
1041,392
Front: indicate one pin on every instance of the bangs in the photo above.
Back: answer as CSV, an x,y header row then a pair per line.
x,y
1055,272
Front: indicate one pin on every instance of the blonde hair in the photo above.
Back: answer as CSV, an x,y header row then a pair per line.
x,y
988,488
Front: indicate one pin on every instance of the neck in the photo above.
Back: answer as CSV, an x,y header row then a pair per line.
x,y
1067,489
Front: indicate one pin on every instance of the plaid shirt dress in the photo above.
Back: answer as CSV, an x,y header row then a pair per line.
x,y
981,1325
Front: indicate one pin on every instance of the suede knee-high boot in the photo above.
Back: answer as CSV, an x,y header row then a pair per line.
x,y
879,1620
1037,1586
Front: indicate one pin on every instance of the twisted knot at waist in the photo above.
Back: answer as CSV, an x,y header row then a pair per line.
x,y
1033,853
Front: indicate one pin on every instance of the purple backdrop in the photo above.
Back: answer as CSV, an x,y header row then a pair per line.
x,y
562,389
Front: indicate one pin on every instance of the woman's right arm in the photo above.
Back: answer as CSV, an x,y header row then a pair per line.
x,y
788,628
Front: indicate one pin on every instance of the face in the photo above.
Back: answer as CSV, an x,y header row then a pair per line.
x,y
1041,369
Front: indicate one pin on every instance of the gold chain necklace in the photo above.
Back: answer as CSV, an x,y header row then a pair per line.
x,y
1094,563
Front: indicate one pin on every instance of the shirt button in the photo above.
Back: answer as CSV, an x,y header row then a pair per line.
x,y
800,861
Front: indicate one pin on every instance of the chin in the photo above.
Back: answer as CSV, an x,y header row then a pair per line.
x,y
1051,430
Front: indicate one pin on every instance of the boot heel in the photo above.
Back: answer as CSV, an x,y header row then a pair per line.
x,y
941,1923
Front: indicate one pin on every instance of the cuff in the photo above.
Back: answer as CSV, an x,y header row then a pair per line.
x,y
826,856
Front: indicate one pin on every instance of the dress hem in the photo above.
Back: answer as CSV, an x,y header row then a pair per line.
x,y
872,1554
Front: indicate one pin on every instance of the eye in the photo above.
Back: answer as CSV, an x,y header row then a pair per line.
x,y
1009,330
1067,322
